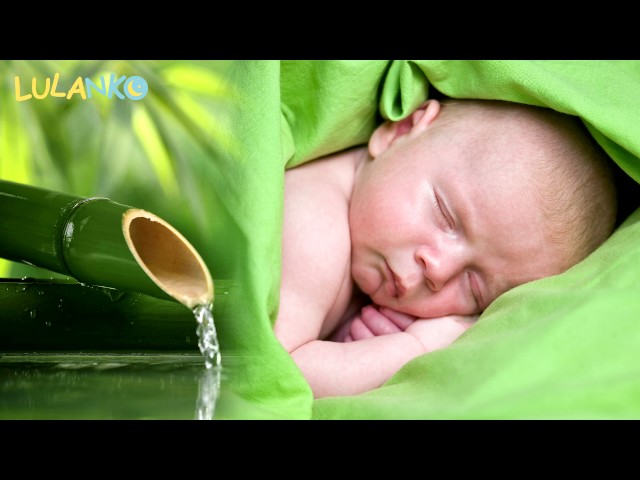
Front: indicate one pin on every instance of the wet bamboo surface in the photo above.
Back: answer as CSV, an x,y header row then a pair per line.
x,y
45,315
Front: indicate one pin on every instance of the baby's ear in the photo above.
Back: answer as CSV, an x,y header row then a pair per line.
x,y
386,134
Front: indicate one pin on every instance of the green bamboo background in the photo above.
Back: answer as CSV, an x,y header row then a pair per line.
x,y
158,153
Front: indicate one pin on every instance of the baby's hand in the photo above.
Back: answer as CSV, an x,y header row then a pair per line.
x,y
374,321
437,333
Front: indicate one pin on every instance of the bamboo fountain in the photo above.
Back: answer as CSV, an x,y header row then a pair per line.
x,y
124,252
101,242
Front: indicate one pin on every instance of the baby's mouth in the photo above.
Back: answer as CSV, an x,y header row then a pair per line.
x,y
398,288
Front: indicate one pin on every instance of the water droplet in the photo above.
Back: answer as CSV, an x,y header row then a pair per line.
x,y
40,292
33,313
47,323
115,295
67,235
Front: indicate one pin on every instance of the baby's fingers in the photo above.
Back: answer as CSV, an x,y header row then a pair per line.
x,y
359,330
401,320
378,323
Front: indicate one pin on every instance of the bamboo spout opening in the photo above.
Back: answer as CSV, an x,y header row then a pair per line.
x,y
168,258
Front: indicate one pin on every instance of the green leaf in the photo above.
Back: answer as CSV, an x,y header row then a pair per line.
x,y
156,153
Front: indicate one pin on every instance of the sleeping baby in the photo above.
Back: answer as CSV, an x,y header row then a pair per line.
x,y
392,250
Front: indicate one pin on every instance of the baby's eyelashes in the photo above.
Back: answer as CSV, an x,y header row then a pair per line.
x,y
443,212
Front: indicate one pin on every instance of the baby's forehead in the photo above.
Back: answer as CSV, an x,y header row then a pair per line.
x,y
497,121
514,144
495,152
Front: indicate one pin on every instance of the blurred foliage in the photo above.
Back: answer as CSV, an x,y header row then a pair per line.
x,y
159,153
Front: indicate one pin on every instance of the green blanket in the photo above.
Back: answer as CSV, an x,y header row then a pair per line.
x,y
562,347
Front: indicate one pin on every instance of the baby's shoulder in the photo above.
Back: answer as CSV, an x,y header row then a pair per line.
x,y
316,217
316,242
331,175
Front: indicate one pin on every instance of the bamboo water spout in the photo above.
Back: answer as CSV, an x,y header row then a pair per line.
x,y
100,242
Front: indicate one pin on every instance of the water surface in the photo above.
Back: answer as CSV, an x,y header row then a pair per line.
x,y
109,386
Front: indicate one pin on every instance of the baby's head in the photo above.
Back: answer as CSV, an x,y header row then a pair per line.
x,y
466,199
570,173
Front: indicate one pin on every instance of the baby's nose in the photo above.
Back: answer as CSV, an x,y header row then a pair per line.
x,y
438,267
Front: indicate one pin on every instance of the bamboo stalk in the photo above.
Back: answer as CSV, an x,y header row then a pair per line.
x,y
44,315
101,242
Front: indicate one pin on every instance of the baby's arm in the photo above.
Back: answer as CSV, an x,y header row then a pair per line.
x,y
352,367
335,368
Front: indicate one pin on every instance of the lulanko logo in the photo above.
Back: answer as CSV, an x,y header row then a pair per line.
x,y
133,88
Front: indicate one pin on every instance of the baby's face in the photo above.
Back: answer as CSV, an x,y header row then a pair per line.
x,y
439,229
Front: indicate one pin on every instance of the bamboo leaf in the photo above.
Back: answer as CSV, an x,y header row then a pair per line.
x,y
5,267
174,137
121,163
14,145
196,79
156,153
201,116
165,96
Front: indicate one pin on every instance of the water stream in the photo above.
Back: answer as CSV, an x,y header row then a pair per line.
x,y
209,385
207,336
208,391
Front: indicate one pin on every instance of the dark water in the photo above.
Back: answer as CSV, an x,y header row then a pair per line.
x,y
144,358
108,386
